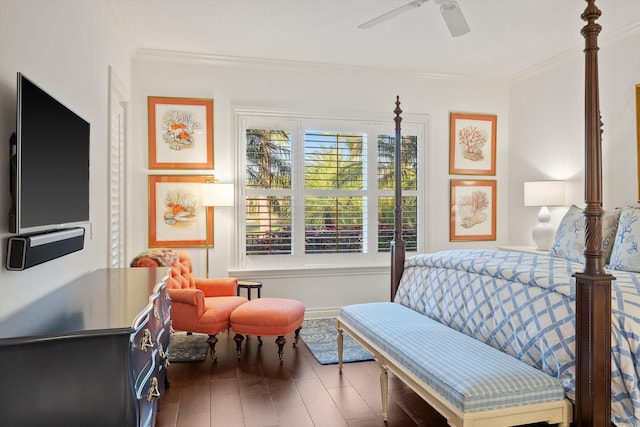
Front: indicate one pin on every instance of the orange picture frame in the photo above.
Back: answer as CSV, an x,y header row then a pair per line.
x,y
472,144
473,210
180,133
176,215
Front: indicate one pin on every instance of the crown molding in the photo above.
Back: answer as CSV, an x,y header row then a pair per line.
x,y
280,64
574,53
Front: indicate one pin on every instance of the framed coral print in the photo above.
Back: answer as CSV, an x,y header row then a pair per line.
x,y
180,133
473,210
176,215
472,144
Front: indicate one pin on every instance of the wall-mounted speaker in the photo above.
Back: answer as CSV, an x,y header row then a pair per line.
x,y
27,250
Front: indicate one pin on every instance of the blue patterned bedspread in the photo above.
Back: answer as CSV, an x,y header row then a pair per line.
x,y
524,305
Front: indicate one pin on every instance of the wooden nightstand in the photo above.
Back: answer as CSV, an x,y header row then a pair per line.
x,y
526,249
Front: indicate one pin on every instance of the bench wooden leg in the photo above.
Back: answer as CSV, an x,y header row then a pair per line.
x,y
384,389
340,339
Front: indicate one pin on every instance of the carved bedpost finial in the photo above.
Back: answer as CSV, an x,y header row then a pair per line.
x,y
397,112
591,13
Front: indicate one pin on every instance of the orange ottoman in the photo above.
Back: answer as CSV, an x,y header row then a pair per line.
x,y
268,316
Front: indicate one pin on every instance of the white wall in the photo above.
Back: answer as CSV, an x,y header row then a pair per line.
x,y
546,132
65,46
313,88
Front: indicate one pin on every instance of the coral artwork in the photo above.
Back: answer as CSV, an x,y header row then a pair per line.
x,y
180,208
178,129
180,133
176,215
471,208
471,140
472,144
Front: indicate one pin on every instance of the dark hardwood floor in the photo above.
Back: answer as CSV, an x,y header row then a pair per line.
x,y
258,391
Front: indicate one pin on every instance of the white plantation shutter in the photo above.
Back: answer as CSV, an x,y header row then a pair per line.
x,y
335,192
319,191
116,193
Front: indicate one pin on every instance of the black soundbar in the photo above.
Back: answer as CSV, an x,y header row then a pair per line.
x,y
27,250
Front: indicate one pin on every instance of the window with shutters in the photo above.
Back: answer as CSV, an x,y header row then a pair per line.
x,y
321,191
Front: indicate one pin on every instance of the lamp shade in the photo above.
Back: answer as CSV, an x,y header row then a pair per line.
x,y
544,193
216,194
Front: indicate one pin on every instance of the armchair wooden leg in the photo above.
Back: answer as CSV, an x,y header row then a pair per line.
x,y
212,340
238,339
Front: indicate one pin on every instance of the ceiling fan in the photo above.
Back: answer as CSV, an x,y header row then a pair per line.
x,y
450,10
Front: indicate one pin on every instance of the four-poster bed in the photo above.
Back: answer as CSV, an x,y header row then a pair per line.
x,y
590,289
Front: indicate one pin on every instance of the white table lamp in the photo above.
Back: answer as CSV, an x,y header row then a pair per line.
x,y
214,194
544,194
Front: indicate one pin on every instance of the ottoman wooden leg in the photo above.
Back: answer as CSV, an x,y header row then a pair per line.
x,y
280,341
238,339
212,340
295,342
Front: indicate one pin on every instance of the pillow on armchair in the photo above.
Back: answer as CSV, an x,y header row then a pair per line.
x,y
158,257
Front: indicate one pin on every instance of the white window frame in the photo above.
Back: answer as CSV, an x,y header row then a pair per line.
x,y
376,123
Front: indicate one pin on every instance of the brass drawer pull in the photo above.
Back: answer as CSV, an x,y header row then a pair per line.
x,y
163,354
146,340
161,350
153,389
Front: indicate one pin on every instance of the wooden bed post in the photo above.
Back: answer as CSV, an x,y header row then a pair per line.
x,y
593,285
398,246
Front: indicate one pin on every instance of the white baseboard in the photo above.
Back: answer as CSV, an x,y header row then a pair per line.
x,y
321,313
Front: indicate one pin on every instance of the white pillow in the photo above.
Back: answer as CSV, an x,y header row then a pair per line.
x,y
569,240
625,254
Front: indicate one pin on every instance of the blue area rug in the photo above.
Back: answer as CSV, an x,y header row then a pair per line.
x,y
320,335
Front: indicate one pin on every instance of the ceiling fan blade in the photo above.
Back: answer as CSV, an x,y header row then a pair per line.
x,y
454,18
391,14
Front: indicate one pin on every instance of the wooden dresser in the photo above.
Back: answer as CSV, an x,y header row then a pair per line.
x,y
92,353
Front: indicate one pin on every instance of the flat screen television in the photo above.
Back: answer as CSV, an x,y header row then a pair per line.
x,y
49,156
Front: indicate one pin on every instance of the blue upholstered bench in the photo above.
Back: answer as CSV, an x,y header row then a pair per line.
x,y
468,382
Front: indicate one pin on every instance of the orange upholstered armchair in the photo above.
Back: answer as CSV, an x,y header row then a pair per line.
x,y
197,304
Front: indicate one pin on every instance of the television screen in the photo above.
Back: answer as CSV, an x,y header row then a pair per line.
x,y
51,169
